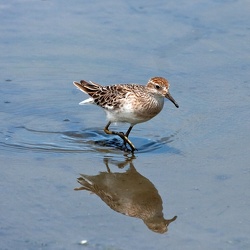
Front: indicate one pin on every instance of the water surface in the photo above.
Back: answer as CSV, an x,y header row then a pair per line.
x,y
195,158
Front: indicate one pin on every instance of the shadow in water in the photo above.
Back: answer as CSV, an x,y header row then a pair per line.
x,y
128,193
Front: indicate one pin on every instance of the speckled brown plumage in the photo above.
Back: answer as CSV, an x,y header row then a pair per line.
x,y
131,103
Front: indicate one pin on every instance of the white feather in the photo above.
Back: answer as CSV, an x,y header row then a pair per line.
x,y
87,101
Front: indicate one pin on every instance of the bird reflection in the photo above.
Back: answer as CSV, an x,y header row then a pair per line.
x,y
128,193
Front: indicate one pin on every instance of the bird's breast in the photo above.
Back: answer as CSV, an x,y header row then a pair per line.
x,y
135,111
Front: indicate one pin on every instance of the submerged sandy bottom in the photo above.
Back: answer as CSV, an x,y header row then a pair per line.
x,y
193,161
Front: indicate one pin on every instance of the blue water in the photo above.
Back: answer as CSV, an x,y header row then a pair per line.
x,y
197,157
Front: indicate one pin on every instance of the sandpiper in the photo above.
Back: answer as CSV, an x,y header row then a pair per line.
x,y
130,103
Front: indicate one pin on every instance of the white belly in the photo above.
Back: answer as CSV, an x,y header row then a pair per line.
x,y
127,113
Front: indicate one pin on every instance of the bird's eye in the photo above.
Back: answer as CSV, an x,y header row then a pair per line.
x,y
157,86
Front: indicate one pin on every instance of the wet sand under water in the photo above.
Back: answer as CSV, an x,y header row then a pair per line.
x,y
192,162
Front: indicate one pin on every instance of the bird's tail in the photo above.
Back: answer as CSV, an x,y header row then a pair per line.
x,y
87,87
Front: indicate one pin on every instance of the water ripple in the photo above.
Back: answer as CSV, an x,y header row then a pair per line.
x,y
86,140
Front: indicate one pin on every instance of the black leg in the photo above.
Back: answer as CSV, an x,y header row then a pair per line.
x,y
106,129
124,137
129,130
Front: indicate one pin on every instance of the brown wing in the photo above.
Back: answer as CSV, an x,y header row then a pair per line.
x,y
88,87
108,97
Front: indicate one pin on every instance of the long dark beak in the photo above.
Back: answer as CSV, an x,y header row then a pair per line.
x,y
172,99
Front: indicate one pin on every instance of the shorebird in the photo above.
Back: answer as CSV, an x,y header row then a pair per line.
x,y
129,103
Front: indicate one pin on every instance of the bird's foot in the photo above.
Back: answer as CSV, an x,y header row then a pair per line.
x,y
132,147
125,142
